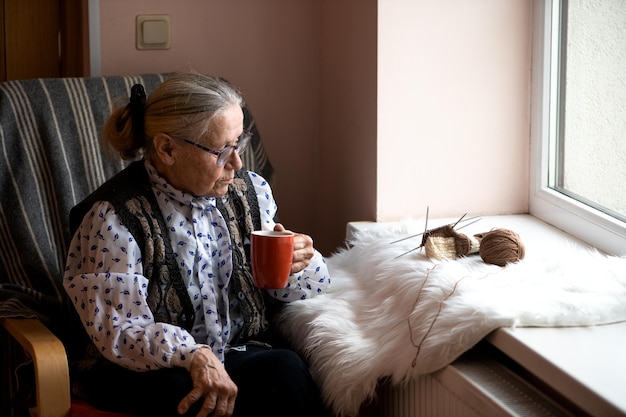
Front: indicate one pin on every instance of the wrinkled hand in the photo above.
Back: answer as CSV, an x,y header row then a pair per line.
x,y
210,381
302,249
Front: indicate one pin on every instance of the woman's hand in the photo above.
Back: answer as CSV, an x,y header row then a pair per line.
x,y
302,249
211,381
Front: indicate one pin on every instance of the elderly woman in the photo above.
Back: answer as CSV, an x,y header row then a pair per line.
x,y
159,268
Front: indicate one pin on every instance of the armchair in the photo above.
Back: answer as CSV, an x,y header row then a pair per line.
x,y
50,159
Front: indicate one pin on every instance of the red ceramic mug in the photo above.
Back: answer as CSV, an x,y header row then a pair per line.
x,y
272,255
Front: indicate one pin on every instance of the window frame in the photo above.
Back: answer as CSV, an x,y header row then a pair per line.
x,y
574,217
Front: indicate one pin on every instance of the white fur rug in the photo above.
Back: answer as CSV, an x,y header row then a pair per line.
x,y
401,317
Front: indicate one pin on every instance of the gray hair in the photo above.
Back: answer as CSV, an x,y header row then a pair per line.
x,y
182,106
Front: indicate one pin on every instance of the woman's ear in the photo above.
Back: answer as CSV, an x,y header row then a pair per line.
x,y
164,148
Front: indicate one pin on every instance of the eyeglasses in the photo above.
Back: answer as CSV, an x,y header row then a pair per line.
x,y
224,154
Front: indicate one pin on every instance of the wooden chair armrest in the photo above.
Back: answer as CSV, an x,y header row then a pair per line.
x,y
50,360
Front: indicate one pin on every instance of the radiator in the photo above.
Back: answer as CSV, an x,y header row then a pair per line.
x,y
476,385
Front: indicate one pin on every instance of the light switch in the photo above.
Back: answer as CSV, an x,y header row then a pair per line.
x,y
153,31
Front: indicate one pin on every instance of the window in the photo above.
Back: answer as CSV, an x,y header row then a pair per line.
x,y
578,144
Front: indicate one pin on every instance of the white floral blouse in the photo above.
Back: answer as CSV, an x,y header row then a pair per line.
x,y
104,278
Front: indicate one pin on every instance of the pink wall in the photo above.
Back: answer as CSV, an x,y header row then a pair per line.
x,y
369,109
347,177
269,48
453,107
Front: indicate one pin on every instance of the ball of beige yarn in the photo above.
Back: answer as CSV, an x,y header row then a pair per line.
x,y
500,247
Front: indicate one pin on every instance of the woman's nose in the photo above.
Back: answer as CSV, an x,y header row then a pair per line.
x,y
234,161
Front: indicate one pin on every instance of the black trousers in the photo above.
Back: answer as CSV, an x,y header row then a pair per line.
x,y
273,382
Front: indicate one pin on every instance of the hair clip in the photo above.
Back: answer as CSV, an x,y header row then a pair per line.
x,y
136,106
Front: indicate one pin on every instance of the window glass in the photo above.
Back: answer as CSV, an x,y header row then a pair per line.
x,y
591,143
578,120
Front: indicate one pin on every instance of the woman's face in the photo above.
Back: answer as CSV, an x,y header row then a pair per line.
x,y
194,170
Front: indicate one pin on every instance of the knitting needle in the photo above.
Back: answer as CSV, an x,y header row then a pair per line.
x,y
409,251
469,223
426,227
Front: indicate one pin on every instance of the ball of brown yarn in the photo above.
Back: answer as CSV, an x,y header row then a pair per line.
x,y
500,247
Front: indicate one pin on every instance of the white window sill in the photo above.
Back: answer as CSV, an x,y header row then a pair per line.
x,y
586,365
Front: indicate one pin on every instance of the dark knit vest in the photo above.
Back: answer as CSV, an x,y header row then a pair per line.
x,y
131,194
